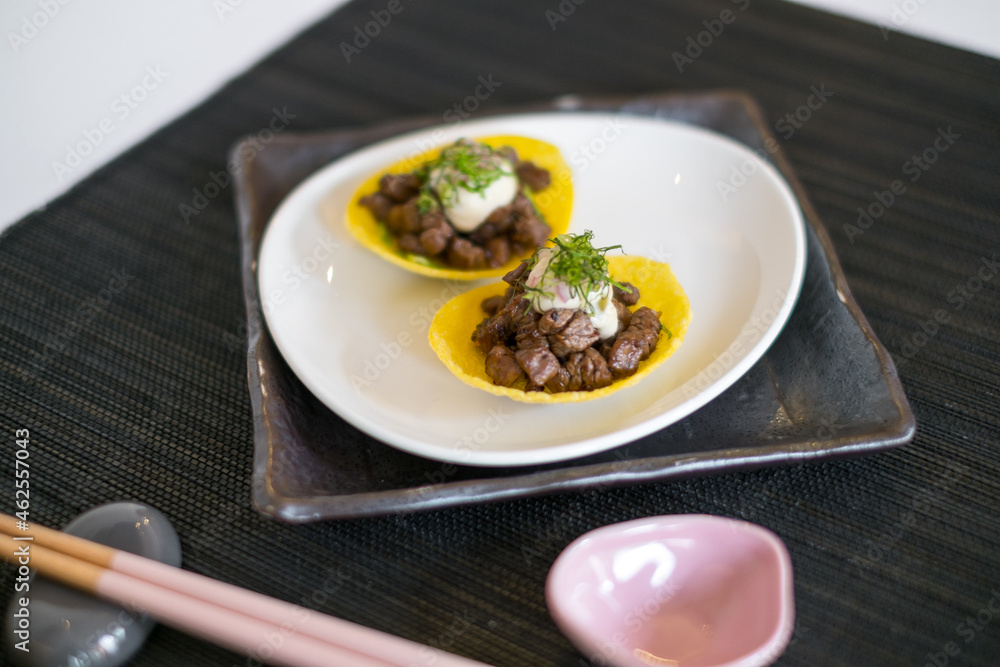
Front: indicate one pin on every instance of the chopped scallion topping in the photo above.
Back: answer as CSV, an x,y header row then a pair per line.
x,y
577,263
467,165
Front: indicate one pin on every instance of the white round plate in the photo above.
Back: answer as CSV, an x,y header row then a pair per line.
x,y
354,327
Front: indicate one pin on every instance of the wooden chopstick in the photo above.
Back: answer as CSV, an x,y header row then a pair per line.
x,y
267,629
237,632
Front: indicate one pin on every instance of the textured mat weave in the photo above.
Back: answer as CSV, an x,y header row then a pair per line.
x,y
122,332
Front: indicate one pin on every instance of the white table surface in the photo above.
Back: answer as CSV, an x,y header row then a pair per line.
x,y
65,67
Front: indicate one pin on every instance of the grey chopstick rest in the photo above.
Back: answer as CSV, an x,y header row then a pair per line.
x,y
71,629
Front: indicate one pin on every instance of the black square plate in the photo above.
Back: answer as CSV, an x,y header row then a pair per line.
x,y
826,388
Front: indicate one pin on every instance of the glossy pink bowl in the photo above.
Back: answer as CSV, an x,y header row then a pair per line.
x,y
688,590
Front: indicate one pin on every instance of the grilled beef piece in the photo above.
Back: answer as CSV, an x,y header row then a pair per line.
x,y
404,218
514,229
635,343
628,296
528,336
555,320
517,307
588,370
500,326
492,304
399,187
491,331
411,217
533,176
379,204
560,382
624,319
464,254
514,275
483,233
523,207
434,218
624,316
576,336
497,251
583,371
530,233
411,243
502,366
538,363
502,217
436,232
435,239
396,221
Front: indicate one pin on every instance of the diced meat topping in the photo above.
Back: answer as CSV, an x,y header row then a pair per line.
x,y
576,336
533,176
538,363
635,343
399,187
502,366
628,296
588,370
492,304
555,320
412,212
560,350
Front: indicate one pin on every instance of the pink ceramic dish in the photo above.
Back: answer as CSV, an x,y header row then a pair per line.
x,y
687,590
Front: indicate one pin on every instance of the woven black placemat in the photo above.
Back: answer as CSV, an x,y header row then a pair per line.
x,y
122,331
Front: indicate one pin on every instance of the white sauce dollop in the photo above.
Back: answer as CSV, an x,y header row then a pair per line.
x,y
605,315
467,210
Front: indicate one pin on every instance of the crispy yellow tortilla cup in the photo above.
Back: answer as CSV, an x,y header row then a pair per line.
x,y
554,203
450,334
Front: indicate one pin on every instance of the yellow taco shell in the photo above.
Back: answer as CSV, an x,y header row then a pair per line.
x,y
451,330
554,202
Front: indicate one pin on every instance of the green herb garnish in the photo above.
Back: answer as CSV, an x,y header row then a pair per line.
x,y
467,165
426,200
576,262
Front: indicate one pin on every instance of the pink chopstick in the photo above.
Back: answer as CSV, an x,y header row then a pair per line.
x,y
266,629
